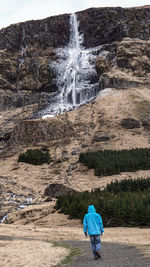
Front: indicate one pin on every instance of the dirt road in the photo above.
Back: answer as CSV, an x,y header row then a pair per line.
x,y
113,255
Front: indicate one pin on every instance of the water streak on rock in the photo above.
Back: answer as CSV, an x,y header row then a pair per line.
x,y
23,50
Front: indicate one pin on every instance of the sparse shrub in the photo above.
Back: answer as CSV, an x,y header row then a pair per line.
x,y
35,156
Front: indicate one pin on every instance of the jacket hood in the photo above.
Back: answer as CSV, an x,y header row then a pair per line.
x,y
91,208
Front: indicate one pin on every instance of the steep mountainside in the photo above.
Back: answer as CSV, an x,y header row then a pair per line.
x,y
118,118
27,53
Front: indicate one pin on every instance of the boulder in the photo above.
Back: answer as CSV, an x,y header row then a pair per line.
x,y
101,138
130,123
55,190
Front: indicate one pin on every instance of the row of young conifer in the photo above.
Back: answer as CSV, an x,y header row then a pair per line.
x,y
125,203
109,162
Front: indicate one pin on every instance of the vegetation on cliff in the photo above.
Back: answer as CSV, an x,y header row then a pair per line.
x,y
125,203
109,162
35,156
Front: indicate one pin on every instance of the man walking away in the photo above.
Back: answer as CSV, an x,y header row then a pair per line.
x,y
92,223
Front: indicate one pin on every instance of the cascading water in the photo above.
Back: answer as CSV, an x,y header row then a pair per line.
x,y
17,202
23,50
70,77
76,76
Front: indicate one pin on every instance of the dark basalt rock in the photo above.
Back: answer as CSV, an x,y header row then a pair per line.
x,y
101,138
119,82
48,87
11,99
55,190
99,26
106,25
49,32
130,123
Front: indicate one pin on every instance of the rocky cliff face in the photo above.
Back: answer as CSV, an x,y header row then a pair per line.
x,y
126,65
99,26
107,25
27,54
27,50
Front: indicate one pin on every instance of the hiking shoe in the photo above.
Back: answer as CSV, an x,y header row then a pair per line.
x,y
98,255
96,259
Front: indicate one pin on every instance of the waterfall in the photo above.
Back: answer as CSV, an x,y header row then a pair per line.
x,y
23,50
73,64
18,202
76,76
22,57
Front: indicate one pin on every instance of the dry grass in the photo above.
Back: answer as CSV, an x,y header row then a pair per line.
x,y
41,253
30,253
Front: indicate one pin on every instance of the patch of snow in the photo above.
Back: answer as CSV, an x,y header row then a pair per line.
x,y
47,116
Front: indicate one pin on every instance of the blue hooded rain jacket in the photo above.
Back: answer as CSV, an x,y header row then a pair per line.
x,y
92,222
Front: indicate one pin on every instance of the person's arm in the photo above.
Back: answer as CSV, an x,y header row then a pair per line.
x,y
85,225
101,225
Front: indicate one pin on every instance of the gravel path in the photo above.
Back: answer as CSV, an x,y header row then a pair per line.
x,y
113,255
